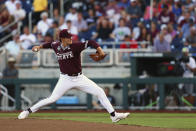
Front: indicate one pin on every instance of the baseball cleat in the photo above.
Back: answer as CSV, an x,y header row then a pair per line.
x,y
119,116
23,115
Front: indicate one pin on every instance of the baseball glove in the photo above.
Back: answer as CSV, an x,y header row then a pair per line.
x,y
96,57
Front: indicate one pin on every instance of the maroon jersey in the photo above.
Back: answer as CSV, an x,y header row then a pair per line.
x,y
69,57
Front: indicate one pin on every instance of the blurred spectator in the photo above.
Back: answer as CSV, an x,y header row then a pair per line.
x,y
186,27
191,39
113,11
28,39
164,31
73,29
121,31
19,13
129,43
177,42
184,18
189,69
176,8
189,5
154,10
134,11
27,6
153,31
123,4
5,19
14,46
11,6
166,16
44,24
98,10
144,36
80,23
171,30
104,29
53,30
91,19
56,15
72,15
10,72
97,104
160,44
48,38
39,6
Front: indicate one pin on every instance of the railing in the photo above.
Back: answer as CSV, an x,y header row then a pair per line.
x,y
47,58
11,33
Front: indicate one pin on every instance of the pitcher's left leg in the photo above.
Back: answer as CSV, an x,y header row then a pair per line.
x,y
90,87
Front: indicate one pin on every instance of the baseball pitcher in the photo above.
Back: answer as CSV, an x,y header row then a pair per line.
x,y
68,55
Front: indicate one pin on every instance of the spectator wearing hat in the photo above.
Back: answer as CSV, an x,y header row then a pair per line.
x,y
189,67
39,6
19,13
166,16
44,24
166,34
10,72
11,6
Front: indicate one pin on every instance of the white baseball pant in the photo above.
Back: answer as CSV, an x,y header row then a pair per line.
x,y
80,82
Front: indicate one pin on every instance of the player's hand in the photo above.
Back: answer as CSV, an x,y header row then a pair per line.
x,y
36,48
98,57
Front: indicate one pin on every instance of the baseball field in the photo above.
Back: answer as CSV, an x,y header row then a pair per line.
x,y
88,121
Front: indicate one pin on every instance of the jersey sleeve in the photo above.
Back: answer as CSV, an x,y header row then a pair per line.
x,y
47,45
89,43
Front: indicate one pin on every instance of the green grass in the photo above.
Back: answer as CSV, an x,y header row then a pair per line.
x,y
164,120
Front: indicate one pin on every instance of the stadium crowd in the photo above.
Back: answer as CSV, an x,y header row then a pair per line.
x,y
170,27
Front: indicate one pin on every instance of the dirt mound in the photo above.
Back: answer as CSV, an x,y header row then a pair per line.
x,y
10,124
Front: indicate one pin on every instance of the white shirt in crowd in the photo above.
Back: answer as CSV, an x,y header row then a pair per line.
x,y
43,26
72,17
13,48
18,14
11,6
192,64
73,29
27,40
121,32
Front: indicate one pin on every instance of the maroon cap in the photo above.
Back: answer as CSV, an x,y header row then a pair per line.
x,y
65,34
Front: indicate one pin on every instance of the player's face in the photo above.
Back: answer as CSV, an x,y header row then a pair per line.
x,y
66,41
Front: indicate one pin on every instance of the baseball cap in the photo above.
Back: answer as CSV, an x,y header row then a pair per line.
x,y
132,0
11,59
163,26
65,34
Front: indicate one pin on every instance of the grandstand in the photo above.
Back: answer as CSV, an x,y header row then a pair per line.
x,y
125,29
